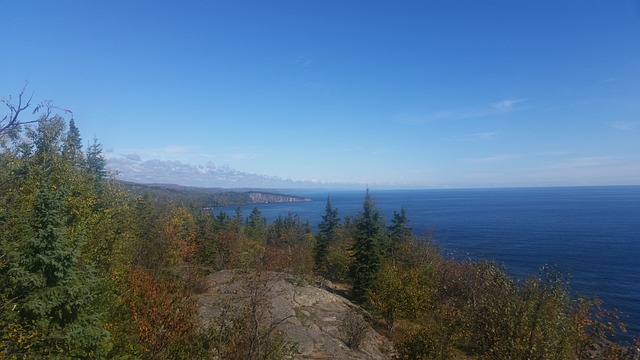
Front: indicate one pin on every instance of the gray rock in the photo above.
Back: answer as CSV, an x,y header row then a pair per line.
x,y
309,317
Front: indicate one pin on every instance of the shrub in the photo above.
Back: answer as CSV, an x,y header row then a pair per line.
x,y
353,329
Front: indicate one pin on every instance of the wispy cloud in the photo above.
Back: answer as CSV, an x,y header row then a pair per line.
x,y
241,156
554,153
484,135
587,170
582,162
506,105
170,152
626,125
493,109
494,158
302,62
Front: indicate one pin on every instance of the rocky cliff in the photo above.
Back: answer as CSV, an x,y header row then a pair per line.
x,y
261,198
315,323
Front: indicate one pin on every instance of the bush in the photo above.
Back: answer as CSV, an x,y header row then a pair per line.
x,y
353,329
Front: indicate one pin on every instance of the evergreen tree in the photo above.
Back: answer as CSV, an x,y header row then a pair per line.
x,y
53,297
72,146
256,228
399,230
222,222
326,234
287,231
366,249
236,224
96,164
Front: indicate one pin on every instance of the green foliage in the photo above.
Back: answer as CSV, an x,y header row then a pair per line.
x,y
366,250
326,236
256,225
287,231
479,308
405,289
96,164
53,297
399,231
72,146
219,243
340,254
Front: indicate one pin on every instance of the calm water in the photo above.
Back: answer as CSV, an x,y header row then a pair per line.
x,y
592,233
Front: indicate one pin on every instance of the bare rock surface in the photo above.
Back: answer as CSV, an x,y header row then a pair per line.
x,y
309,317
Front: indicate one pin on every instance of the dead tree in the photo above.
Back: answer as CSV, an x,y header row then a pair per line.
x,y
12,119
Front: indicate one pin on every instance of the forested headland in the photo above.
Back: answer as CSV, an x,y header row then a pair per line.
x,y
93,268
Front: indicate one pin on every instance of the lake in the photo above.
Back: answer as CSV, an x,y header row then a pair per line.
x,y
591,233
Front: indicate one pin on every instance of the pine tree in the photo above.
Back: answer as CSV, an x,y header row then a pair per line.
x,y
326,234
96,164
72,146
366,250
399,230
53,295
256,228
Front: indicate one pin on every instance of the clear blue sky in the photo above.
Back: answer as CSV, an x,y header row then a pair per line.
x,y
404,93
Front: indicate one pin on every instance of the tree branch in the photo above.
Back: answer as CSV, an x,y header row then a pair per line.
x,y
12,119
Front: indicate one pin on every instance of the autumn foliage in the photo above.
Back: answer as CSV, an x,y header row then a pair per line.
x,y
162,313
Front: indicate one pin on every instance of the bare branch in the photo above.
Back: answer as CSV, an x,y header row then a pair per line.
x,y
13,118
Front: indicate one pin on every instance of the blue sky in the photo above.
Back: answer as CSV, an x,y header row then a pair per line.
x,y
321,93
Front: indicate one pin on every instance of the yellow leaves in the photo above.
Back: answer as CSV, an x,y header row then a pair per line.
x,y
17,334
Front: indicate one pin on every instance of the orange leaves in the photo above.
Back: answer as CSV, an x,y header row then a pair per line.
x,y
180,231
162,311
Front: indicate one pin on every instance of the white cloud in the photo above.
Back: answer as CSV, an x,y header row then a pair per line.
x,y
506,105
133,168
133,157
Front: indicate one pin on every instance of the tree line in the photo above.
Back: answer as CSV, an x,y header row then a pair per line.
x,y
89,269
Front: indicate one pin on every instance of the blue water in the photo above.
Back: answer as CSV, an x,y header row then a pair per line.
x,y
591,233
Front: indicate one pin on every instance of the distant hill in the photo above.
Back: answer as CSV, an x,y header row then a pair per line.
x,y
198,197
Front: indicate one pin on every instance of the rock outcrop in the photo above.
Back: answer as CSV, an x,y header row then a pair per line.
x,y
262,198
308,317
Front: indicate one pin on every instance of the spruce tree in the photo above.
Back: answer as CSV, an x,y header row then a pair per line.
x,y
399,230
96,164
52,295
326,234
366,250
256,227
72,146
